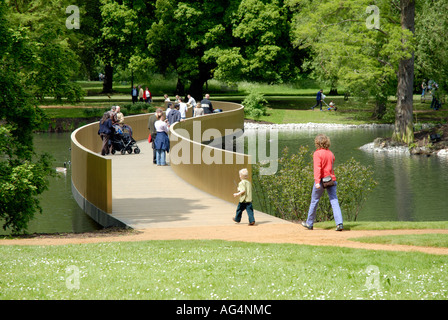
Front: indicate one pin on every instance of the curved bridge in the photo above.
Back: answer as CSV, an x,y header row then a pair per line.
x,y
195,189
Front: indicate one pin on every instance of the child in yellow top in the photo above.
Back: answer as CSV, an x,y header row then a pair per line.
x,y
245,194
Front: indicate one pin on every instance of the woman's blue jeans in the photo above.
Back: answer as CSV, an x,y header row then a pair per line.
x,y
160,157
315,197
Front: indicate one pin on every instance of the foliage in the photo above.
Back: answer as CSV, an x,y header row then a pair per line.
x,y
21,181
136,108
22,177
261,50
255,105
431,54
48,63
94,112
355,182
346,52
287,194
182,33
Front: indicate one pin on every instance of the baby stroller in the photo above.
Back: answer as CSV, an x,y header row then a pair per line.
x,y
122,140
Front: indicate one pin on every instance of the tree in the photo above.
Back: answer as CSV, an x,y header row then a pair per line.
x,y
261,48
23,174
348,49
404,127
122,35
431,53
182,33
366,58
50,62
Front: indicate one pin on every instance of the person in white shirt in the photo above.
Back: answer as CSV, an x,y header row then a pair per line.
x,y
182,109
191,101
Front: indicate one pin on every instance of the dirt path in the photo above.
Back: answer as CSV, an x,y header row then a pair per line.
x,y
261,233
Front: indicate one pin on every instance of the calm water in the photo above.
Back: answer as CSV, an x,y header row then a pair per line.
x,y
60,212
410,188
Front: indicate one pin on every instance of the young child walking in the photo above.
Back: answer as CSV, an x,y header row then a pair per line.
x,y
245,194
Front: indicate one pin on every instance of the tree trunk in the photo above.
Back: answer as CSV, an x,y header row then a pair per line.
x,y
404,128
380,109
333,92
180,88
196,89
108,79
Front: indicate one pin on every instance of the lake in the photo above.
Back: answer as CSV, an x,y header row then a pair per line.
x,y
60,212
410,188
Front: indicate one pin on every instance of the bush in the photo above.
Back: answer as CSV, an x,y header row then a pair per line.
x,y
287,194
22,181
137,108
255,105
94,112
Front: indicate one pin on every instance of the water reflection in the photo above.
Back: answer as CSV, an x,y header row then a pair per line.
x,y
60,212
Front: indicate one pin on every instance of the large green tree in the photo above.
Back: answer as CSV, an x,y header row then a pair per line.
x,y
23,174
123,30
349,49
431,54
363,48
261,48
181,34
51,63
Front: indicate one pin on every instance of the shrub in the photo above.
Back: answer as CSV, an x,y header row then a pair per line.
x,y
287,194
255,105
22,181
94,112
136,108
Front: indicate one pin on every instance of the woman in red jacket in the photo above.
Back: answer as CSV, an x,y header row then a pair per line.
x,y
323,160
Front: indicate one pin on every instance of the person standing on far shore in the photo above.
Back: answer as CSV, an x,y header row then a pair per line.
x,y
318,99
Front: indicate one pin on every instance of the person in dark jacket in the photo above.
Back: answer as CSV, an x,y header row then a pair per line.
x,y
207,104
174,115
134,94
106,130
318,99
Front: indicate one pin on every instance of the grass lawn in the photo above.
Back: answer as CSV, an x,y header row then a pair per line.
x,y
287,103
425,240
232,270
385,225
217,270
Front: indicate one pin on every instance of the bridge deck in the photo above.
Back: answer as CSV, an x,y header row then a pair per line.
x,y
148,196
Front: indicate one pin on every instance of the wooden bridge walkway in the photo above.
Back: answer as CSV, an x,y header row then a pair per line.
x,y
148,196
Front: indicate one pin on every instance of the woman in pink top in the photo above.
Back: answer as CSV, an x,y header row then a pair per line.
x,y
323,160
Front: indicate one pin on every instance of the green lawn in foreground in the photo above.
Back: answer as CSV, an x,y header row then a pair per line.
x,y
385,225
217,270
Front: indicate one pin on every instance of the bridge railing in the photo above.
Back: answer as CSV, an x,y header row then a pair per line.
x,y
92,173
208,168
